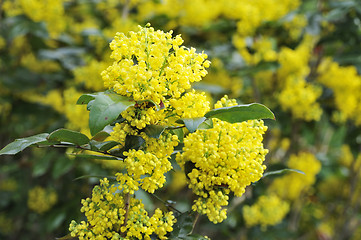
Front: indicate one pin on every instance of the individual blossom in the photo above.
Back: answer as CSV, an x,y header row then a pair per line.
x,y
269,210
112,214
40,200
152,65
226,158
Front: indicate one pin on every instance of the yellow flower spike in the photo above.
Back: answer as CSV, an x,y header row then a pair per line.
x,y
150,64
267,211
41,200
106,215
226,158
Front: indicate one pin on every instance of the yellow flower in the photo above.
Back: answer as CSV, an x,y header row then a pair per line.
x,y
292,185
347,93
226,158
41,200
150,65
269,210
191,105
112,214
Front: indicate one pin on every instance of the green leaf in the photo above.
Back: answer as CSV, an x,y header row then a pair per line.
x,y
133,142
241,113
102,146
86,98
105,109
180,133
100,136
192,123
20,144
154,131
183,228
207,124
66,135
61,166
282,171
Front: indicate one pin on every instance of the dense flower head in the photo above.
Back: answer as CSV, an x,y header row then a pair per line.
x,y
141,115
297,95
41,200
227,157
291,186
269,210
112,214
146,167
347,93
150,65
191,105
300,97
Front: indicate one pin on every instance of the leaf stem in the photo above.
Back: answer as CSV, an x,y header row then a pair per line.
x,y
166,204
194,223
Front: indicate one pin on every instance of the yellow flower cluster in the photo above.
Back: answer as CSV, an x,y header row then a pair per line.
x,y
191,105
269,210
112,214
41,200
347,93
263,49
225,102
292,185
141,115
226,158
150,65
297,95
200,13
300,98
295,25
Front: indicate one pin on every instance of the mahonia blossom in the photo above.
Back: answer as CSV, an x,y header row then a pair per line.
x,y
300,97
291,186
41,200
267,211
151,65
347,94
112,214
191,105
297,95
225,158
146,167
